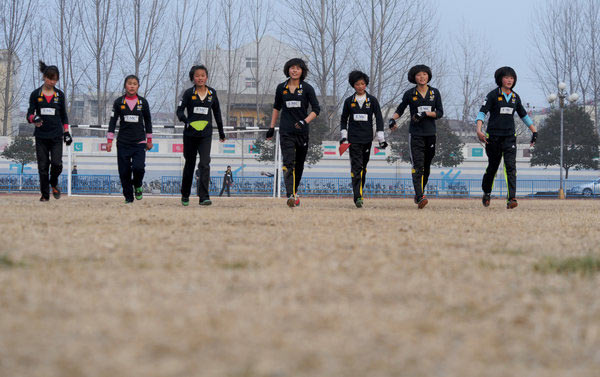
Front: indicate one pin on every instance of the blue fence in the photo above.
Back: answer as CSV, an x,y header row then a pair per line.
x,y
324,187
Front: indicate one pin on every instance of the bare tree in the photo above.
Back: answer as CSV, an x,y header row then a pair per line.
x,y
65,37
185,38
101,40
321,32
471,71
260,18
398,34
16,16
556,40
232,21
591,21
144,40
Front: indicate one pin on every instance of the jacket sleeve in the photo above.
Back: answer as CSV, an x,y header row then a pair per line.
x,y
114,115
147,117
32,107
487,104
216,108
278,99
520,109
314,102
402,106
345,115
181,108
485,107
378,116
63,110
439,108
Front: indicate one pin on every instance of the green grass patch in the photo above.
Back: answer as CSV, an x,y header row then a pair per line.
x,y
8,262
514,252
235,265
586,265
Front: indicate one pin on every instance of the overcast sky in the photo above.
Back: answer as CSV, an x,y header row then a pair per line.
x,y
506,25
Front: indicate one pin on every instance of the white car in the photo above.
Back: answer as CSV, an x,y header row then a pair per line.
x,y
586,189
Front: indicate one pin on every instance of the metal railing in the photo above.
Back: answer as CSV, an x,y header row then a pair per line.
x,y
310,186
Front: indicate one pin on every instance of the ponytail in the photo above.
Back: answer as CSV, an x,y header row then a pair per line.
x,y
50,72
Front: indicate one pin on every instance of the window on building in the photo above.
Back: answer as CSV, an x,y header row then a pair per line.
x,y
94,109
233,121
250,82
247,121
77,110
251,62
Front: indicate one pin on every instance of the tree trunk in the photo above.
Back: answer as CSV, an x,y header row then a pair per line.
x,y
7,96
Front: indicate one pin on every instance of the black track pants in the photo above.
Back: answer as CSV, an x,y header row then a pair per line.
x,y
359,158
293,150
49,156
497,148
422,151
191,147
131,159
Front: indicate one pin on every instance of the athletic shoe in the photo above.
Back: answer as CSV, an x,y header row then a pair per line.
x,y
485,200
44,199
127,201
297,202
55,192
421,203
205,202
359,203
139,193
185,202
291,201
512,203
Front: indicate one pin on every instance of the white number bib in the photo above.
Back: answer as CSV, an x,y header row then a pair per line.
x,y
420,109
48,111
361,117
131,118
506,110
292,104
200,110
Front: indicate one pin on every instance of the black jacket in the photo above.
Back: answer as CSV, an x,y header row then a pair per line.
x,y
133,124
228,177
417,104
502,119
359,120
294,106
200,110
54,114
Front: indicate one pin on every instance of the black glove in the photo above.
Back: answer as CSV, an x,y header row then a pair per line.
x,y
37,119
270,132
383,144
300,124
534,137
391,123
344,140
221,135
67,138
419,116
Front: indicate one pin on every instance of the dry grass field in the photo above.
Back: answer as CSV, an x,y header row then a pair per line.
x,y
249,287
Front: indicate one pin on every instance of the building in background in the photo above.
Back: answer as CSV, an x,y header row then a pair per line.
x,y
252,79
